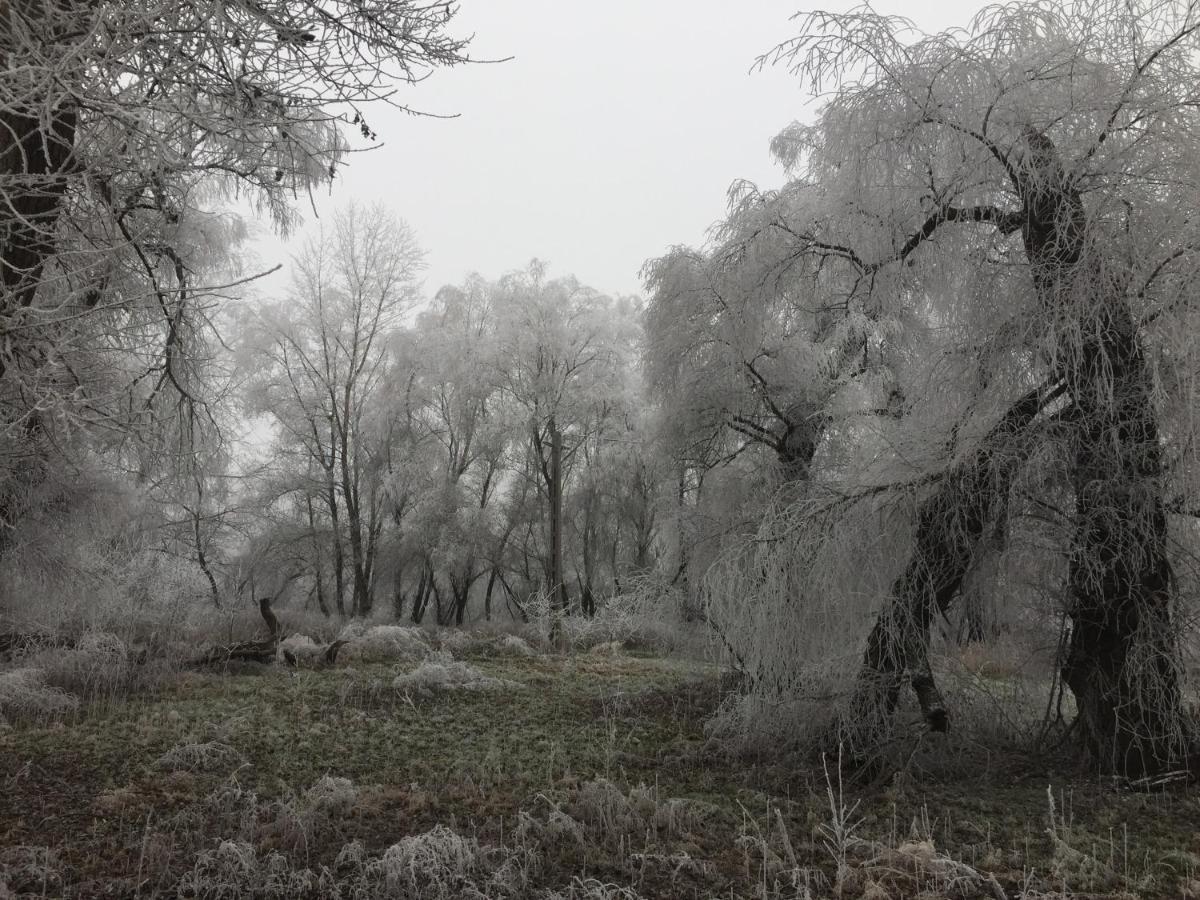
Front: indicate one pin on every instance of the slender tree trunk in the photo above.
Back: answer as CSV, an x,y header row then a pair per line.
x,y
558,580
421,598
462,593
318,568
339,559
398,601
487,596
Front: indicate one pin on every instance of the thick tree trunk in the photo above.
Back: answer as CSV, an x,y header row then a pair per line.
x,y
1122,660
950,524
37,143
1122,663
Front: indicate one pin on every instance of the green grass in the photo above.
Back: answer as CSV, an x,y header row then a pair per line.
x,y
92,790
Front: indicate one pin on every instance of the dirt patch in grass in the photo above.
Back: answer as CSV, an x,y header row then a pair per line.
x,y
594,778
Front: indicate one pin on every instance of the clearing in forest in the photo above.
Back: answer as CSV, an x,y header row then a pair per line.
x,y
508,775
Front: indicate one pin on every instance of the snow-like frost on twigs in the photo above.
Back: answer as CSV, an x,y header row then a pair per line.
x,y
440,671
24,694
792,608
379,643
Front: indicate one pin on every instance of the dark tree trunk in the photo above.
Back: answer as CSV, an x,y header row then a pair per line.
x,y
949,526
487,596
462,593
318,569
421,598
37,144
1122,661
264,608
339,559
558,575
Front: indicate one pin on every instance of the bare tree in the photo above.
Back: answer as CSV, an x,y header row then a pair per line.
x,y
327,352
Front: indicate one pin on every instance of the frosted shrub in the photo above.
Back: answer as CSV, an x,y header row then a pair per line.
x,y
511,645
457,641
25,696
608,813
233,870
382,643
97,669
331,797
303,649
101,643
211,756
443,865
441,672
592,889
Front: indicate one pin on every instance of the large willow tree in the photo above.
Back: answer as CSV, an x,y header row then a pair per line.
x,y
1025,190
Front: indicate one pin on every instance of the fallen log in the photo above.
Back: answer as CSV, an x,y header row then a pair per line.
x,y
245,651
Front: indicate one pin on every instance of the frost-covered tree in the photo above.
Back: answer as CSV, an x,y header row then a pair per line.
x,y
319,360
564,348
1001,221
122,127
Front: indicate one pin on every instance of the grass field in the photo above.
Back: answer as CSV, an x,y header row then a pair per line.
x,y
583,776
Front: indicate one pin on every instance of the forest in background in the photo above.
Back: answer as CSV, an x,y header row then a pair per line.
x,y
937,388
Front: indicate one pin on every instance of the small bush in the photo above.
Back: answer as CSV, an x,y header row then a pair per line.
x,y
211,756
441,672
382,643
26,697
331,797
303,649
592,889
511,645
440,864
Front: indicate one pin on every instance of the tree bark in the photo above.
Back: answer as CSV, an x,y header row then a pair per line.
x,y
37,144
1122,662
318,569
950,524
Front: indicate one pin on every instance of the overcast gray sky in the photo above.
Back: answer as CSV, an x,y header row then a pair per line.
x,y
613,132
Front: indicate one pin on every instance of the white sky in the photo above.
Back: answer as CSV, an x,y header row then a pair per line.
x,y
613,133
